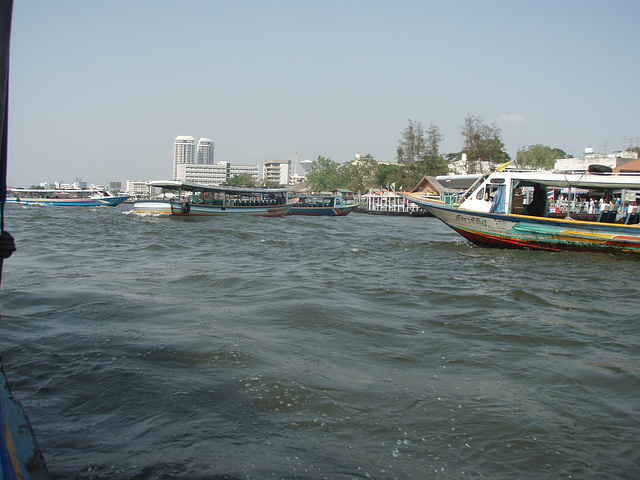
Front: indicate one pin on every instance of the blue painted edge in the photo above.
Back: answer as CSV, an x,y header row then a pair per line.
x,y
20,455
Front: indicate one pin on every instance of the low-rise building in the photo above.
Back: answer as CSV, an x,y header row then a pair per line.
x,y
137,189
611,160
253,170
277,172
213,175
464,167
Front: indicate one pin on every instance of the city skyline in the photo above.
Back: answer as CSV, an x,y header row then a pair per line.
x,y
98,90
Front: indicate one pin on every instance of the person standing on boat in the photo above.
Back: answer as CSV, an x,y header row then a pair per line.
x,y
538,205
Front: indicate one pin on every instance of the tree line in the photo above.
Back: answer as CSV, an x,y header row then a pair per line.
x,y
418,154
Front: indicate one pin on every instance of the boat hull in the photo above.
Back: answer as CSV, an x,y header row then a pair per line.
x,y
70,202
521,231
171,207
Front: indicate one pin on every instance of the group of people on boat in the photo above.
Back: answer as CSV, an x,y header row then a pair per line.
x,y
208,198
592,205
540,201
316,202
239,203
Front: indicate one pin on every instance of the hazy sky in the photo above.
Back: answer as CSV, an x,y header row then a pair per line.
x,y
100,89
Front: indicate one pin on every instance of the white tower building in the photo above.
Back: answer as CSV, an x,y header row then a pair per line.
x,y
205,151
183,152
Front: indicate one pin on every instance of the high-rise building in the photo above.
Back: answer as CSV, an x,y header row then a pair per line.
x,y
205,151
188,168
183,152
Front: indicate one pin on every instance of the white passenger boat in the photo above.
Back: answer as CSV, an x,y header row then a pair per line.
x,y
511,209
88,197
183,198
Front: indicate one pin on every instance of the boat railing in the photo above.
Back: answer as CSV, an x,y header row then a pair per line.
x,y
590,207
596,212
450,198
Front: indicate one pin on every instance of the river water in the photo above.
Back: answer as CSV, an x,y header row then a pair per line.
x,y
144,347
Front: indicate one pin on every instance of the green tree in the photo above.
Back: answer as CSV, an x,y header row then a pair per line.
x,y
434,137
418,154
539,157
360,174
386,175
434,165
324,175
433,162
482,142
412,145
242,180
270,184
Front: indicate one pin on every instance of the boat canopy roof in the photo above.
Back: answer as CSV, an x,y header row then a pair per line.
x,y
604,181
56,190
180,185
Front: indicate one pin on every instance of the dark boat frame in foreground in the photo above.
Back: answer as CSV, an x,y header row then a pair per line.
x,y
20,456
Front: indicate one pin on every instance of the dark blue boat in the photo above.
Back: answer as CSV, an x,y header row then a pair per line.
x,y
322,205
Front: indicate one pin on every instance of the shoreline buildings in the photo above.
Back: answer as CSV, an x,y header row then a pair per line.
x,y
194,163
200,168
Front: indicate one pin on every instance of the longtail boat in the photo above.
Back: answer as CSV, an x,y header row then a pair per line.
x,y
512,208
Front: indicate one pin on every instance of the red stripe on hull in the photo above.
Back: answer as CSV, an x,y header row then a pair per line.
x,y
485,240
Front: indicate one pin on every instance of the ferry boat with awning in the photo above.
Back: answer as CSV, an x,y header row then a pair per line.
x,y
511,209
190,199
87,197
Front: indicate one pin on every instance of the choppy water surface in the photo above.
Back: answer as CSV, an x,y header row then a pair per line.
x,y
373,347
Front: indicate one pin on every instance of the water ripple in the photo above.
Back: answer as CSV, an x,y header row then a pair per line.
x,y
312,348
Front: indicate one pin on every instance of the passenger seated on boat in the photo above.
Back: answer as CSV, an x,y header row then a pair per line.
x,y
633,215
517,201
538,205
608,213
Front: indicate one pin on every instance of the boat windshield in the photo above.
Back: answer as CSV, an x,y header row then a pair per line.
x,y
473,187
